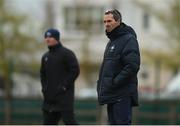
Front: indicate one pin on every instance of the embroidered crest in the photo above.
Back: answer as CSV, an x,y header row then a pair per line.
x,y
46,59
112,48
48,34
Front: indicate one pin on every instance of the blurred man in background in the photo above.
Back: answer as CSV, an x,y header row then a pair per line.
x,y
1,84
59,70
117,84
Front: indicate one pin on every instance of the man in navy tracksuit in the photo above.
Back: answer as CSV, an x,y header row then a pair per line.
x,y
117,83
59,70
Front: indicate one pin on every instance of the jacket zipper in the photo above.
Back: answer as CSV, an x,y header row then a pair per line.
x,y
100,85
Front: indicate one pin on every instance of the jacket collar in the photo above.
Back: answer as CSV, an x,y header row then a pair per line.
x,y
55,47
120,30
114,33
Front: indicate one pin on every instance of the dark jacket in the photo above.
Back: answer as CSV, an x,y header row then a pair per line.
x,y
118,73
59,70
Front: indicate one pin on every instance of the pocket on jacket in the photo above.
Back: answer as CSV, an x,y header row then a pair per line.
x,y
107,81
106,84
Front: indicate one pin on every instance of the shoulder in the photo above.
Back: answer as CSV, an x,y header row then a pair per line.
x,y
67,51
126,40
129,39
131,45
132,40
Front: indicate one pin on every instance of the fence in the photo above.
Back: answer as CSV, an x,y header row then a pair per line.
x,y
28,111
159,112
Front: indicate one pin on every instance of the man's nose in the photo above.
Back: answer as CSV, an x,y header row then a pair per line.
x,y
106,23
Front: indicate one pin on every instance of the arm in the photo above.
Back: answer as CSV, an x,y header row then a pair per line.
x,y
130,62
42,72
72,67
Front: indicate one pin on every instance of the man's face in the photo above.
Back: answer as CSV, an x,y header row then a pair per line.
x,y
110,23
51,41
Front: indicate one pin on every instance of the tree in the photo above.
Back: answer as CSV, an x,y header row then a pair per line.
x,y
50,13
15,43
170,19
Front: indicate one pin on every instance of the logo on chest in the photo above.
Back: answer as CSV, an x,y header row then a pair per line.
x,y
112,48
46,59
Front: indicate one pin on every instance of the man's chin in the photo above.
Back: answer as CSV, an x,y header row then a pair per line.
x,y
50,45
108,30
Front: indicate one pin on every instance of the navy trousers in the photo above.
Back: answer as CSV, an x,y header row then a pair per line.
x,y
120,112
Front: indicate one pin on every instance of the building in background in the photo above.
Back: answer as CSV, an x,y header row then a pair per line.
x,y
81,26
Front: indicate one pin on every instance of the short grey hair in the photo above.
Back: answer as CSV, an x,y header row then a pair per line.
x,y
116,14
